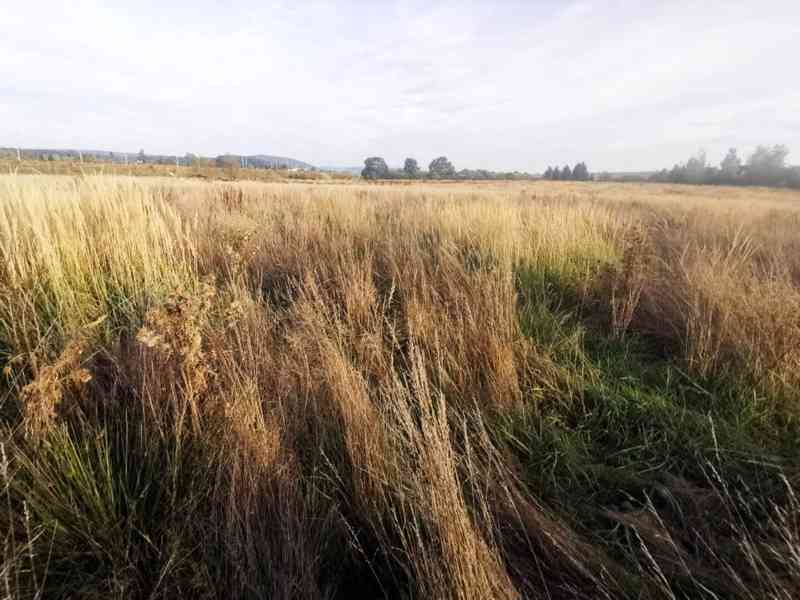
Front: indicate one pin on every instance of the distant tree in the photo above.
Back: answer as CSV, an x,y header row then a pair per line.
x,y
696,167
141,156
411,168
548,174
375,168
678,174
566,173
768,158
767,165
228,161
580,172
556,174
730,165
441,168
793,179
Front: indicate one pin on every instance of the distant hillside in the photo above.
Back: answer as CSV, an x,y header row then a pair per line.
x,y
266,161
257,161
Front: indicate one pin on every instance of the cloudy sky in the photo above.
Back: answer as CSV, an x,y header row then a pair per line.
x,y
497,85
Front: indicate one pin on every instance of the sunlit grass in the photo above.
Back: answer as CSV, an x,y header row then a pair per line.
x,y
464,391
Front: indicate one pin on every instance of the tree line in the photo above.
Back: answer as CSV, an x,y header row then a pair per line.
x,y
375,167
765,166
579,173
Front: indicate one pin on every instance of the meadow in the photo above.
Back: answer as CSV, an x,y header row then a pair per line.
x,y
429,390
207,170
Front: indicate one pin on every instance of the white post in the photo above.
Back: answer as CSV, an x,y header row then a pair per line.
x,y
19,156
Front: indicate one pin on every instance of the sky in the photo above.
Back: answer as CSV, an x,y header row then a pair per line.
x,y
500,85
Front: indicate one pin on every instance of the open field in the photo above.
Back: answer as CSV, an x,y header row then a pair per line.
x,y
466,391
204,171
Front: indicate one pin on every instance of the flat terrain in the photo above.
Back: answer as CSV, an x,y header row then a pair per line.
x,y
208,170
402,390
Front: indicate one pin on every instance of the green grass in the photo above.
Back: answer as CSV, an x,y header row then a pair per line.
x,y
114,509
630,421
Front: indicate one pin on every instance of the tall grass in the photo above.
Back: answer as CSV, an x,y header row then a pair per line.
x,y
79,250
432,391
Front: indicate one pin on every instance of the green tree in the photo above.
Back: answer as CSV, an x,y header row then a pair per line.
x,y
548,174
375,168
566,173
766,164
730,165
581,172
441,168
411,168
696,167
556,174
794,177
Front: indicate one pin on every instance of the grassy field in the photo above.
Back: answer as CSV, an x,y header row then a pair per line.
x,y
466,391
205,171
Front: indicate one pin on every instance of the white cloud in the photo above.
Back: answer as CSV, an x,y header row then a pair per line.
x,y
512,85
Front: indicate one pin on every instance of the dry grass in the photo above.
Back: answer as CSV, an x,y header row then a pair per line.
x,y
209,171
429,391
